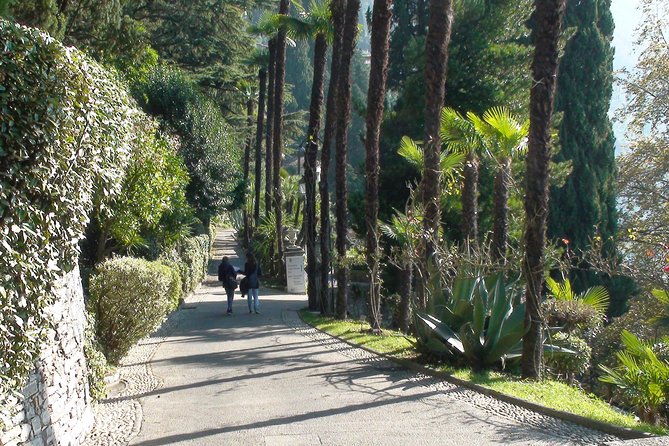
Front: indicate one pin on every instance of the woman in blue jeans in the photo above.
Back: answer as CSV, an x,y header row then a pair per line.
x,y
252,272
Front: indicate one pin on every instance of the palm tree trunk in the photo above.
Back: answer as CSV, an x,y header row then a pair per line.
x,y
501,210
378,74
406,277
262,83
271,74
343,120
337,9
470,228
436,54
548,19
247,165
310,157
277,139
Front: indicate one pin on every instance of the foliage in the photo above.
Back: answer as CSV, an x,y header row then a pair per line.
x,y
637,320
65,131
585,205
570,315
481,319
151,201
643,377
210,148
596,297
263,243
643,171
567,367
129,298
96,363
662,320
194,253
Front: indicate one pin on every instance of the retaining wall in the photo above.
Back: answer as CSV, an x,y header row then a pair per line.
x,y
55,409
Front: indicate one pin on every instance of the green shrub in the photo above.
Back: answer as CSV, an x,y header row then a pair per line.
x,y
175,290
567,367
637,320
195,254
95,360
571,315
642,376
129,298
65,129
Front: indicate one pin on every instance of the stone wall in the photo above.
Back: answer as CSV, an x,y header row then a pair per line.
x,y
56,406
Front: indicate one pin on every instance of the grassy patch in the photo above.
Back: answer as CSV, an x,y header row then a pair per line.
x,y
548,393
390,342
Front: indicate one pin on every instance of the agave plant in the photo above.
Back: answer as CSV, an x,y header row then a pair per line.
x,y
482,320
643,377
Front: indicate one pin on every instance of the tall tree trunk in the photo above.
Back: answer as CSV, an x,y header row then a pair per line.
x,y
337,8
262,83
271,78
247,165
378,74
406,277
310,159
436,55
343,120
548,19
277,139
470,227
501,210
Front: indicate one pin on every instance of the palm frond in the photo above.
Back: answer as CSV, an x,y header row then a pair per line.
x,y
411,152
596,297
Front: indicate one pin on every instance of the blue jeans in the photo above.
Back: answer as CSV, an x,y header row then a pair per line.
x,y
230,292
253,298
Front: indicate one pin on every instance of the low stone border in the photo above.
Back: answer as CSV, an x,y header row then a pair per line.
x,y
583,429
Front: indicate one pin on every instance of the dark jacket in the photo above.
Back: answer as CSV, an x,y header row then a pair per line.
x,y
226,274
252,272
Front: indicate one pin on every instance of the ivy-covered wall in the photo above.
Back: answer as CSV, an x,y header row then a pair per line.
x,y
65,132
54,406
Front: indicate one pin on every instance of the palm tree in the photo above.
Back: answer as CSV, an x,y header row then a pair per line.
x,y
247,162
436,56
459,135
378,74
271,73
337,8
343,120
404,230
277,141
262,84
314,24
505,138
547,29
267,26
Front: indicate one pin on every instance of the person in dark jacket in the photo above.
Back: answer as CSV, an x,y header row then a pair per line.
x,y
252,272
228,275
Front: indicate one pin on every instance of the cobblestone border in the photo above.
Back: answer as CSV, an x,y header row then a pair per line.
x,y
559,428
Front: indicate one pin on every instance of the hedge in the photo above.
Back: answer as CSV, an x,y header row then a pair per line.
x,y
129,298
65,131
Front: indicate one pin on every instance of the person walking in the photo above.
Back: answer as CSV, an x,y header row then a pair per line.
x,y
252,272
228,275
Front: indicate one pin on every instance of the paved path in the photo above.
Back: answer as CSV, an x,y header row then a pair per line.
x,y
269,380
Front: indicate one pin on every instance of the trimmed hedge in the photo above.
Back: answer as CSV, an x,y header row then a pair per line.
x,y
65,131
129,298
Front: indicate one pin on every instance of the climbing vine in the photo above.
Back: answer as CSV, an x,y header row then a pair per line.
x,y
65,135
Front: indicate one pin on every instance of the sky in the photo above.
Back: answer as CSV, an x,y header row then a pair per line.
x,y
627,18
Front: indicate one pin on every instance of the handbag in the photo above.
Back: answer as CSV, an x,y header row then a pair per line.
x,y
231,283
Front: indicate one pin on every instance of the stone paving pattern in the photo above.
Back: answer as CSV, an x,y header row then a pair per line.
x,y
271,379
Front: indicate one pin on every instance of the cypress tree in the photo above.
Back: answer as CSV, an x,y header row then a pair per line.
x,y
586,204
